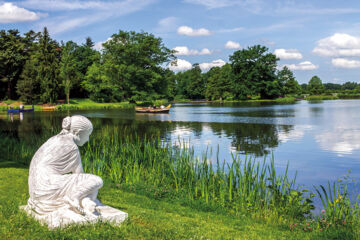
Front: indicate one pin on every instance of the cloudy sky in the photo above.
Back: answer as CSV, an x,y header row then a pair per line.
x,y
310,37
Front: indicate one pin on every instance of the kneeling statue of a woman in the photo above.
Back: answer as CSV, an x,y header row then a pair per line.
x,y
60,192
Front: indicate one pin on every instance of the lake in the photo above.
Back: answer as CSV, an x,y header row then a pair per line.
x,y
319,140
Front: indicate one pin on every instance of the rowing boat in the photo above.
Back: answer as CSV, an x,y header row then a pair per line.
x,y
20,110
153,110
49,108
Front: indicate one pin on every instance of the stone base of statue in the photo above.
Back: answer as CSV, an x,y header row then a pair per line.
x,y
66,216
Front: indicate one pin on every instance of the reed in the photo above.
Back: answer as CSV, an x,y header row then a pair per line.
x,y
338,209
243,186
240,185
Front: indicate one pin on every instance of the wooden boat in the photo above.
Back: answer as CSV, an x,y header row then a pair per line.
x,y
49,108
153,110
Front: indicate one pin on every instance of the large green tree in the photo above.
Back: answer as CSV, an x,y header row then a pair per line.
x,y
288,82
219,83
133,62
315,86
85,56
69,71
13,55
191,83
255,73
48,56
196,83
28,87
98,84
41,69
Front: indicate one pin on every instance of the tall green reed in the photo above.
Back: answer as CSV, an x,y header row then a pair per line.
x,y
336,202
240,185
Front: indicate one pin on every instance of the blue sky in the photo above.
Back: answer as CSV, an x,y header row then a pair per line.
x,y
310,37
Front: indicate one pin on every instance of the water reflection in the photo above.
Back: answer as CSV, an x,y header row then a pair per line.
x,y
320,140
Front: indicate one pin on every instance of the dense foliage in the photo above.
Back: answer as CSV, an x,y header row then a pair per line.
x,y
134,66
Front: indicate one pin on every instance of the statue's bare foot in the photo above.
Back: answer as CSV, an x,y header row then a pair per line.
x,y
75,205
90,208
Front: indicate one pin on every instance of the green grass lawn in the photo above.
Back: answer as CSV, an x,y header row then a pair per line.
x,y
149,217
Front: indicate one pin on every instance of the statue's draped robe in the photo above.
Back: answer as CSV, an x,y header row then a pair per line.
x,y
49,178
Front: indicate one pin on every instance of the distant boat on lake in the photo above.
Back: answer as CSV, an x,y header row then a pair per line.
x,y
153,110
20,110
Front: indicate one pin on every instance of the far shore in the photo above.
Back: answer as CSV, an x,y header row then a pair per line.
x,y
87,104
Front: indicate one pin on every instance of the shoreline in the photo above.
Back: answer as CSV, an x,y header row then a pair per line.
x,y
87,104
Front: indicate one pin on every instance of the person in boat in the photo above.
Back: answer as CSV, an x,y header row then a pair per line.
x,y
56,176
162,106
154,106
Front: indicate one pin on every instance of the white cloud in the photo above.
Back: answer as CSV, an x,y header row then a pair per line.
x,y
307,65
99,45
180,65
340,139
232,45
188,31
185,51
345,63
215,63
288,53
339,44
10,13
297,133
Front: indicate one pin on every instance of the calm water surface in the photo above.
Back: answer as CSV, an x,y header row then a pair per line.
x,y
320,141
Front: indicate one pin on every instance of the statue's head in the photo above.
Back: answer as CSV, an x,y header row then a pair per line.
x,y
79,126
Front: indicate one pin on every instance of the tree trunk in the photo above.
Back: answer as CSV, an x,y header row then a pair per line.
x,y
9,89
67,89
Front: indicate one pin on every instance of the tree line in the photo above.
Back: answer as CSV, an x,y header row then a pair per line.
x,y
134,66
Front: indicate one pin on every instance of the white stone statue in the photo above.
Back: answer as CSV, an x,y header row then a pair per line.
x,y
60,192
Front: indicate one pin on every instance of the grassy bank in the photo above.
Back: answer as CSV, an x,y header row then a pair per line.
x,y
254,100
321,97
75,104
151,217
169,194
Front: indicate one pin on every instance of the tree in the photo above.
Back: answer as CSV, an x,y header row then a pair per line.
x,y
85,56
170,79
349,86
43,68
219,83
98,84
133,62
196,87
315,86
48,57
332,86
12,59
287,80
69,72
89,43
28,87
254,71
